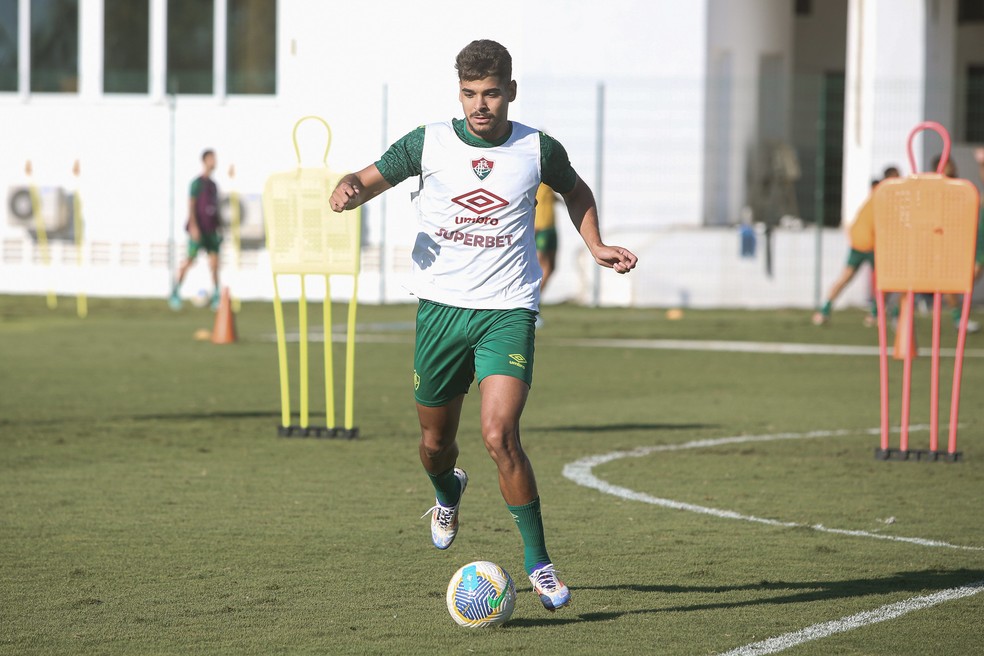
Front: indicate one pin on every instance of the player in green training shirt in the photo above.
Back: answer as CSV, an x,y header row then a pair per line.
x,y
203,229
476,276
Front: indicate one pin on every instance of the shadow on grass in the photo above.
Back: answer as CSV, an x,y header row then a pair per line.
x,y
618,428
196,416
791,592
272,415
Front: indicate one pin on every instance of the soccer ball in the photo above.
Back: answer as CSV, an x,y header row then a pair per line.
x,y
201,298
481,594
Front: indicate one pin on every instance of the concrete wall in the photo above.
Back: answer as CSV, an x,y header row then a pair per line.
x,y
623,86
373,80
686,267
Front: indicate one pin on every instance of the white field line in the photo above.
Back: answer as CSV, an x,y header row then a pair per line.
x,y
317,337
580,472
851,622
782,348
402,336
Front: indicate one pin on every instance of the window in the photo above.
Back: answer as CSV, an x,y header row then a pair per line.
x,y
190,42
970,11
126,46
251,47
8,46
975,104
55,45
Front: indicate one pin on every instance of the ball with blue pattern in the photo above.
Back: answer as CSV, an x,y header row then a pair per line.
x,y
481,594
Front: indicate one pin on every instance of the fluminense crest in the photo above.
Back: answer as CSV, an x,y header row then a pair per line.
x,y
482,167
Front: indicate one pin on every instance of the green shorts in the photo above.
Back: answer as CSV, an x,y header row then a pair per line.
x,y
454,345
856,258
546,240
210,241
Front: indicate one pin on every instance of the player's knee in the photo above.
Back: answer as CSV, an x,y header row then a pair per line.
x,y
502,443
435,445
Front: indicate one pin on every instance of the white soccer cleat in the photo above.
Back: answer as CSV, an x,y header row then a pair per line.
x,y
444,519
551,590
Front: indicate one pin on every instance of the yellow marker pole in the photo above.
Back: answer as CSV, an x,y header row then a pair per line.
x,y
303,342
350,357
81,303
42,234
329,358
234,219
278,316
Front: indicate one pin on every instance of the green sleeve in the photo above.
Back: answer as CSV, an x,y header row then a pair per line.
x,y
555,165
402,160
196,186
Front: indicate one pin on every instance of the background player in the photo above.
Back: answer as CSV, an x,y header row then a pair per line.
x,y
862,250
956,310
545,234
203,229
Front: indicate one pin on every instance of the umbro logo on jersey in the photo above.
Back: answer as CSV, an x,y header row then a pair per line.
x,y
482,167
480,201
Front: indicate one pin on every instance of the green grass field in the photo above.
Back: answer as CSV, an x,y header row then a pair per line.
x,y
148,506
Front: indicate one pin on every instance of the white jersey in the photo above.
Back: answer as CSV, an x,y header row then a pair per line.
x,y
475,210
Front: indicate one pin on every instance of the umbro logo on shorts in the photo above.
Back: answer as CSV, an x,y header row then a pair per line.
x,y
517,359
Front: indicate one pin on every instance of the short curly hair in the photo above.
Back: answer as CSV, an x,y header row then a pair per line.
x,y
484,58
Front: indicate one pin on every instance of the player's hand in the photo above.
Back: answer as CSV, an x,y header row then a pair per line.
x,y
194,232
345,196
621,260
979,155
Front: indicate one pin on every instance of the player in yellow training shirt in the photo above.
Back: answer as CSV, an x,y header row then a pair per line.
x,y
545,232
862,237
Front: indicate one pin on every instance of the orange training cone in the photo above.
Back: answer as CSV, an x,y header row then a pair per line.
x,y
224,331
905,333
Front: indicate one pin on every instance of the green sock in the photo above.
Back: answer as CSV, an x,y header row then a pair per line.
x,y
873,310
957,313
825,310
530,525
447,487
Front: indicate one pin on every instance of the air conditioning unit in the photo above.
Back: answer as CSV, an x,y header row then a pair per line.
x,y
251,232
56,208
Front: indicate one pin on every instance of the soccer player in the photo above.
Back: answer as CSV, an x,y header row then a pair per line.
x,y
203,229
545,232
862,250
545,236
477,280
956,310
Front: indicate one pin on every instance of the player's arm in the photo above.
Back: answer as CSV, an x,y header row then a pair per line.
x,y
357,188
193,230
398,163
979,156
584,215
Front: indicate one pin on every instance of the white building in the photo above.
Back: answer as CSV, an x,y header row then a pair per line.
x,y
685,118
